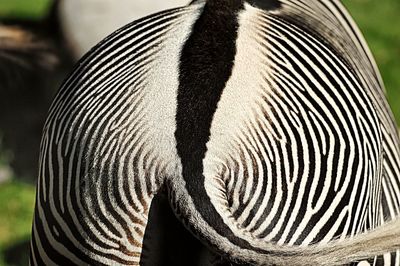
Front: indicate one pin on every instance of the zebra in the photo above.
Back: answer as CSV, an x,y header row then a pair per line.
x,y
264,120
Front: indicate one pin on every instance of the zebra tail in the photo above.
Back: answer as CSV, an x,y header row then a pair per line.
x,y
224,234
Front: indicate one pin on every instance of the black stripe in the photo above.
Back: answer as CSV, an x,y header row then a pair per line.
x,y
267,5
206,65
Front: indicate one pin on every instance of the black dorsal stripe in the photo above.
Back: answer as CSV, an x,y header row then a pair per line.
x,y
206,65
267,5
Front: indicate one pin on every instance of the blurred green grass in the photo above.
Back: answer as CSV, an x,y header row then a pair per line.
x,y
24,9
16,207
378,21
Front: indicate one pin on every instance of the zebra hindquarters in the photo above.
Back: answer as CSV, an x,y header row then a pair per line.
x,y
108,144
292,169
96,182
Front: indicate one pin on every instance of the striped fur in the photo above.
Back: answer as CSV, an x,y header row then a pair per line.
x,y
107,144
266,121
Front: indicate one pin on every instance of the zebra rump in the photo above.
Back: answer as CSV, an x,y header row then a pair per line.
x,y
265,121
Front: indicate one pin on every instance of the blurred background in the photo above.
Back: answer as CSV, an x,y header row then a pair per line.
x,y
70,28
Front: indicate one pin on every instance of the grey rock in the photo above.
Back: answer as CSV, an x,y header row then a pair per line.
x,y
5,174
